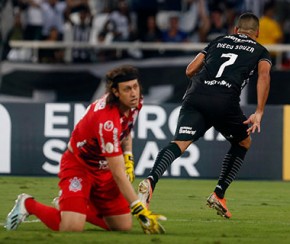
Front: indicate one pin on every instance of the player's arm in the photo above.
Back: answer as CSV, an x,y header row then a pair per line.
x,y
195,65
263,88
128,157
148,220
116,165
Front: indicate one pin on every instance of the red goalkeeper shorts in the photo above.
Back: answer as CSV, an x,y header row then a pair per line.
x,y
80,189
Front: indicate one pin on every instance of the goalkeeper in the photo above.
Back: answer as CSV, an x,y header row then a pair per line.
x,y
97,168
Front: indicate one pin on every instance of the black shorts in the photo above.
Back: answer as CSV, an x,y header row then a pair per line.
x,y
199,112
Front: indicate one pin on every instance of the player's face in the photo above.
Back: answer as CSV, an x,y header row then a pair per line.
x,y
129,93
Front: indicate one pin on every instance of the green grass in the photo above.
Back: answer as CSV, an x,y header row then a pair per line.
x,y
261,214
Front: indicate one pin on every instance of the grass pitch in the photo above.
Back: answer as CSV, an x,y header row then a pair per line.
x,y
261,214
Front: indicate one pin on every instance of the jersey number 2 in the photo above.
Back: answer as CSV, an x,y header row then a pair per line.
x,y
232,58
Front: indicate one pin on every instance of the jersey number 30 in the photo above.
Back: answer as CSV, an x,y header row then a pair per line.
x,y
232,58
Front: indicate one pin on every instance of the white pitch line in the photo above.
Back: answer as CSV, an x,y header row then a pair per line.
x,y
26,222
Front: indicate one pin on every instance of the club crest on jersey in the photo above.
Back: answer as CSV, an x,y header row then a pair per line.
x,y
109,125
75,184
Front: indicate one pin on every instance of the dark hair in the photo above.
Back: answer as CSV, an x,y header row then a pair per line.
x,y
248,22
116,76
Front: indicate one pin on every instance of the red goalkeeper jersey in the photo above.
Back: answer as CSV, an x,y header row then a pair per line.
x,y
100,132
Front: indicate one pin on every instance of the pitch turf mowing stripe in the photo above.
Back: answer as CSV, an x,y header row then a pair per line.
x,y
286,143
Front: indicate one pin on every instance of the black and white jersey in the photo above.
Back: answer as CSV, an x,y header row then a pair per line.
x,y
229,62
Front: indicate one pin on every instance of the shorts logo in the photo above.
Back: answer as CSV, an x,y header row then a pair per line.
x,y
186,130
75,184
109,125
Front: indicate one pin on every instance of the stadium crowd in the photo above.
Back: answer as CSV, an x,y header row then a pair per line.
x,y
177,21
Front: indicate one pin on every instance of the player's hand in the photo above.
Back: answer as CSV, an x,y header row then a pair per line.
x,y
148,220
255,121
129,165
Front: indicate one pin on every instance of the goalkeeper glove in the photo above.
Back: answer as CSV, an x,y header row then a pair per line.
x,y
148,220
129,165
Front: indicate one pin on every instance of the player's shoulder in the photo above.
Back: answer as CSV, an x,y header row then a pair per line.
x,y
103,110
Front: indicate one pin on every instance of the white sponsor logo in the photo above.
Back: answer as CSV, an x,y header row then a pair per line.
x,y
75,184
116,140
109,125
109,147
238,40
102,138
81,143
101,104
186,130
217,82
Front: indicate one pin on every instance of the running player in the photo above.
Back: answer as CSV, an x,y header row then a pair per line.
x,y
217,76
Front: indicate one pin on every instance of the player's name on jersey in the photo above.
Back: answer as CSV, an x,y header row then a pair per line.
x,y
236,47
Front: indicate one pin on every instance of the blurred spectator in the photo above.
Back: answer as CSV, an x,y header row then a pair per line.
x,y
33,19
6,23
270,29
255,7
52,55
174,33
120,24
144,10
16,33
283,10
119,27
230,10
195,20
170,5
53,17
218,25
151,34
81,31
101,6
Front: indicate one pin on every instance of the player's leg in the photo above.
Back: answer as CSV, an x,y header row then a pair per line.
x,y
95,218
231,165
72,221
108,202
26,205
75,188
119,222
236,133
190,127
92,216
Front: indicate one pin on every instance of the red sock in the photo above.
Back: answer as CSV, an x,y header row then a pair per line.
x,y
48,215
93,218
